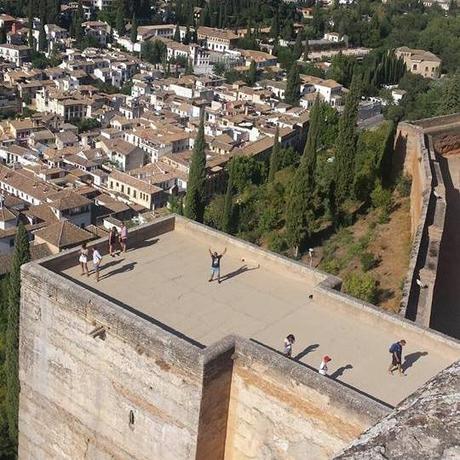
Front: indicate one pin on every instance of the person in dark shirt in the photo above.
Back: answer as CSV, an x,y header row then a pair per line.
x,y
215,264
396,357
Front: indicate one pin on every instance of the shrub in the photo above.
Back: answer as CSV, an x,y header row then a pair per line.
x,y
276,243
381,198
331,266
404,185
368,261
362,286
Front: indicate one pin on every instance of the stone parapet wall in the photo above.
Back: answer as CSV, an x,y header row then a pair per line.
x,y
424,426
282,409
100,380
415,151
79,390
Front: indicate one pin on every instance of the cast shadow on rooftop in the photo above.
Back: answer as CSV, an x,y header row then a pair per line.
x,y
124,268
239,271
340,371
411,358
307,350
142,244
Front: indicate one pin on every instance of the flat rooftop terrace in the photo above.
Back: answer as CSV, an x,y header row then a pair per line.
x,y
166,278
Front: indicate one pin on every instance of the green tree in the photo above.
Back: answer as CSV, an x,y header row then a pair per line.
x,y
450,99
362,286
134,30
298,46
30,21
189,67
42,41
20,257
275,157
195,197
346,144
275,26
300,213
187,37
251,75
120,18
177,34
227,223
306,50
292,93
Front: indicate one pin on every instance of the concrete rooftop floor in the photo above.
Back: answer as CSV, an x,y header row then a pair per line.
x,y
167,279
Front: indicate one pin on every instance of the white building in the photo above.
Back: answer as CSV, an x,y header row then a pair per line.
x,y
17,54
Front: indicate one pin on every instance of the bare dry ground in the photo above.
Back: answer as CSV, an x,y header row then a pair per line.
x,y
388,243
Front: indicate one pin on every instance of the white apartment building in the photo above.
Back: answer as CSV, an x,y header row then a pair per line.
x,y
17,54
101,4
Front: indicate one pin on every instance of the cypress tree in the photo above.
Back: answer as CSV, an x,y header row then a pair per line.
x,y
275,157
77,22
189,67
275,26
20,257
300,212
346,144
297,51
306,50
42,42
227,215
195,197
120,18
177,34
134,30
30,23
187,36
292,93
251,76
42,11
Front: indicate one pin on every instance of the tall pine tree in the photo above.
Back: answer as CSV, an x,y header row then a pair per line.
x,y
346,144
251,76
177,34
300,211
292,93
227,224
20,257
30,21
275,159
134,29
195,197
298,46
120,18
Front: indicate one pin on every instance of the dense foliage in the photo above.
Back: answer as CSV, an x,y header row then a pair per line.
x,y
195,198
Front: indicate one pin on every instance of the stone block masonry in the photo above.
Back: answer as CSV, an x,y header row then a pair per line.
x,y
102,380
134,392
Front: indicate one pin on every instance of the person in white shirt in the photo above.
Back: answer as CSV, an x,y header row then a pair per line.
x,y
323,365
288,342
96,262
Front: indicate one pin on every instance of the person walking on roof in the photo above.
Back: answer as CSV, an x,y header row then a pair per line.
x,y
396,357
323,366
123,236
288,343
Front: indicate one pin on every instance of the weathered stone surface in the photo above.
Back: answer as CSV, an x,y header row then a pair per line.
x,y
425,426
143,390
